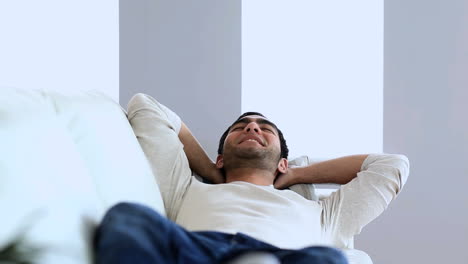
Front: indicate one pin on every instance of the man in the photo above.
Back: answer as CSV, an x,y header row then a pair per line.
x,y
246,209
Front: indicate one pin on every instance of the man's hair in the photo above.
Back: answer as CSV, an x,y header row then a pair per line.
x,y
284,147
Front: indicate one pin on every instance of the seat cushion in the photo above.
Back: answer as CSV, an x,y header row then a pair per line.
x,y
355,256
64,160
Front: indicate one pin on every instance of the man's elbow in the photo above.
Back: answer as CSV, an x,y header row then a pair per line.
x,y
402,164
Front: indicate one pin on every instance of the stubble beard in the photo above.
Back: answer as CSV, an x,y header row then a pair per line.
x,y
254,158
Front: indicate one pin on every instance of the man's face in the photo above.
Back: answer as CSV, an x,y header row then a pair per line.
x,y
252,142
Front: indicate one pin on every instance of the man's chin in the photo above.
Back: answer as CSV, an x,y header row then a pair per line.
x,y
250,157
250,153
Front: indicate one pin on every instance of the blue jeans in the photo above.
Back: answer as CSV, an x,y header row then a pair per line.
x,y
133,233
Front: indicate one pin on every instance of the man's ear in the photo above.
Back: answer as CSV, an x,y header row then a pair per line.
x,y
283,165
219,162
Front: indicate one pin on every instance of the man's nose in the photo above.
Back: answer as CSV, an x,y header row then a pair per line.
x,y
252,127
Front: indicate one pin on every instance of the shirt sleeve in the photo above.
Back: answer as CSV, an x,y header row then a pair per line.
x,y
360,201
156,128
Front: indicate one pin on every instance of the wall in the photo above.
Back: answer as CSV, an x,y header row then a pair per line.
x,y
194,59
60,45
425,117
187,55
317,72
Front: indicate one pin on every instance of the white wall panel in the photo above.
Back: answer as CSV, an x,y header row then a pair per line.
x,y
316,69
61,45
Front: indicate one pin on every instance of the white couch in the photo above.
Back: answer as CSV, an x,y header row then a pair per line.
x,y
64,160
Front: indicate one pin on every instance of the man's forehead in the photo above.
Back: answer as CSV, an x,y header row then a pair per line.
x,y
255,118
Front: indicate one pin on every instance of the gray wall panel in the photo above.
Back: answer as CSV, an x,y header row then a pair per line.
x,y
425,117
187,54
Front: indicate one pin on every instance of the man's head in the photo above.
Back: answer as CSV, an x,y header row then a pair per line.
x,y
253,141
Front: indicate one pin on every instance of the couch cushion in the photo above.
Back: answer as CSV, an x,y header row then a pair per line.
x,y
306,190
64,160
103,136
355,256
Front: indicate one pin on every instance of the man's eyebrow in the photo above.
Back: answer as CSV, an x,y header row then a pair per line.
x,y
259,121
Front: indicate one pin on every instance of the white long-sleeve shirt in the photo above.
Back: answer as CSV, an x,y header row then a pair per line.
x,y
288,220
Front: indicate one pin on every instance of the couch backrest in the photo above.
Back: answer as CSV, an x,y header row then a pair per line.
x,y
64,160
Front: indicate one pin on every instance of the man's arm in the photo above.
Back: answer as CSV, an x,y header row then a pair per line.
x,y
199,161
370,183
346,211
341,171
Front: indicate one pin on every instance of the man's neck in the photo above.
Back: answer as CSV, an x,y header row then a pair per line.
x,y
254,176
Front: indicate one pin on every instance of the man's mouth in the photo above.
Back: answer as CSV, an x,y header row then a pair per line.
x,y
252,140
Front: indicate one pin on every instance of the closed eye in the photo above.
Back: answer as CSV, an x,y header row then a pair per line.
x,y
269,130
237,128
